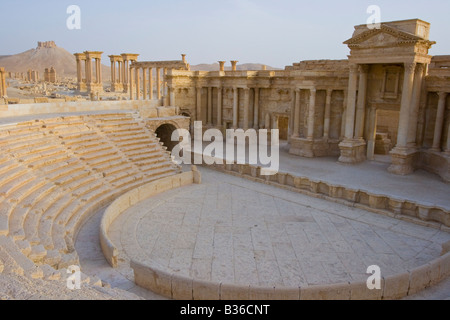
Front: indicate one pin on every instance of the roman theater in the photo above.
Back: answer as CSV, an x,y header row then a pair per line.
x,y
90,194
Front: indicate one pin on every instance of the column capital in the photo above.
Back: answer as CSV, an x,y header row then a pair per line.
x,y
330,92
353,68
363,68
420,68
410,67
442,94
313,90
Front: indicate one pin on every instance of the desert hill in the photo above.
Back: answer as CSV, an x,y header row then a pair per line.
x,y
45,55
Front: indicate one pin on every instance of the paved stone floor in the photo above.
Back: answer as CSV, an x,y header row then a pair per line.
x,y
233,230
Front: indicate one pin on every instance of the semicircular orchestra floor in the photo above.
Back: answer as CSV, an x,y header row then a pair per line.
x,y
235,231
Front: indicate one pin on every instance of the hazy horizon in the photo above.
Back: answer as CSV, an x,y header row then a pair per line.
x,y
276,33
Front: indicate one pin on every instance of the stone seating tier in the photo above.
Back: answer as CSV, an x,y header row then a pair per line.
x,y
55,173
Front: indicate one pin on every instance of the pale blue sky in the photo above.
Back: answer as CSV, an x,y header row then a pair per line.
x,y
274,32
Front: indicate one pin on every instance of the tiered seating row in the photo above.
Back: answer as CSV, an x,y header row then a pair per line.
x,y
55,172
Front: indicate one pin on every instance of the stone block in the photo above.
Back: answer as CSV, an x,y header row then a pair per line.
x,y
419,279
339,291
156,281
205,290
234,292
182,288
360,291
396,287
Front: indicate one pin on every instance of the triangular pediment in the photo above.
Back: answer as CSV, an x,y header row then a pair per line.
x,y
382,37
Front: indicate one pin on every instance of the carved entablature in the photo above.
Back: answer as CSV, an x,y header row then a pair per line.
x,y
395,42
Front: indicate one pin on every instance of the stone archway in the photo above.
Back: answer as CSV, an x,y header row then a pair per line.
x,y
164,133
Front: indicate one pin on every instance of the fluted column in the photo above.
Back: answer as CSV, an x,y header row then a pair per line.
x,y
88,70
150,81
158,82
311,114
351,103
234,65
138,84
447,148
415,105
199,104
361,106
221,66
405,105
144,80
219,106
209,107
130,85
246,108
113,72
79,73
439,122
296,132
100,75
327,117
235,107
126,73
171,96
256,110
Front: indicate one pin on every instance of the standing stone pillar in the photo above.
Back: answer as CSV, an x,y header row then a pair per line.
x,y
402,157
246,108
221,66
144,82
235,107
418,88
79,73
256,110
125,77
311,114
113,71
171,96
234,65
361,107
199,103
372,133
327,117
158,82
219,106
351,103
88,70
210,115
100,76
296,132
447,149
119,72
164,89
130,84
405,105
352,150
439,122
344,113
150,81
138,83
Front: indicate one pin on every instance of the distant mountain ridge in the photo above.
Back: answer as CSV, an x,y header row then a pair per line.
x,y
46,55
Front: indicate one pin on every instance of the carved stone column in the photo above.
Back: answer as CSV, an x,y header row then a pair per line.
x,y
402,156
439,122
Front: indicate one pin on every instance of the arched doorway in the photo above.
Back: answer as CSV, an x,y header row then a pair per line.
x,y
164,133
